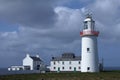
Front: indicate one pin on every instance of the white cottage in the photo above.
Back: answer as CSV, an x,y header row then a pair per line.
x,y
67,62
30,63
34,62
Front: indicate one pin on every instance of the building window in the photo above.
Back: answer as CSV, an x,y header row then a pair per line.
x,y
88,49
54,67
38,67
69,62
79,62
63,63
62,67
70,67
79,67
54,62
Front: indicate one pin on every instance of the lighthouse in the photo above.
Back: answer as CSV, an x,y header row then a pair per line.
x,y
89,61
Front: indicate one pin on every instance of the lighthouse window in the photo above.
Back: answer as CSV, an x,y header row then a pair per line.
x,y
88,68
62,67
63,63
54,62
70,62
79,68
88,49
79,62
54,67
85,25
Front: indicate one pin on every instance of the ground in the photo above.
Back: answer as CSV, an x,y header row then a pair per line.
x,y
113,75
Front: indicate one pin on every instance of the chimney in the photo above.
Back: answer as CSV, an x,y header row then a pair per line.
x,y
37,56
27,55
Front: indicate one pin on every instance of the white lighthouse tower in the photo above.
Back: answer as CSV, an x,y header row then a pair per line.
x,y
89,36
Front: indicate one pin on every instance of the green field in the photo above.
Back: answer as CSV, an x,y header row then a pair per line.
x,y
114,75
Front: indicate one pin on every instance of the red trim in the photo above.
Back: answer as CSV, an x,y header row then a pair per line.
x,y
86,33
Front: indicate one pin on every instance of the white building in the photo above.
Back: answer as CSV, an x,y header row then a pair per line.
x,y
67,62
16,68
30,63
89,62
34,62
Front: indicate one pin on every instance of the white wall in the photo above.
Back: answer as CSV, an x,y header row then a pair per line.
x,y
27,61
66,65
89,58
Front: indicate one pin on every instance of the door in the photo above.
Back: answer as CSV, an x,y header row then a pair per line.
x,y
58,69
74,69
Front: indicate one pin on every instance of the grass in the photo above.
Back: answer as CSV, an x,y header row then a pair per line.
x,y
113,75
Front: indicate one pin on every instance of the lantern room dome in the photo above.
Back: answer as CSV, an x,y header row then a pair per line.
x,y
88,19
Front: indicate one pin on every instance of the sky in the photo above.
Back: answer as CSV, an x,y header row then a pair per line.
x,y
51,27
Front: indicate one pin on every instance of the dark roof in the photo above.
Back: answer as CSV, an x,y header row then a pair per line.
x,y
35,58
67,57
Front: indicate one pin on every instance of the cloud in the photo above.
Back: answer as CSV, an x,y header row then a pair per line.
x,y
49,29
30,13
38,13
106,15
62,37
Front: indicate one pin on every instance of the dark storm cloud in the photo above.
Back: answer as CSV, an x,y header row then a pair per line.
x,y
35,13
